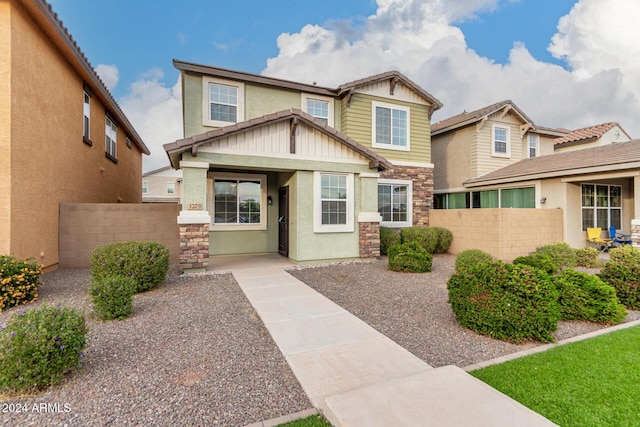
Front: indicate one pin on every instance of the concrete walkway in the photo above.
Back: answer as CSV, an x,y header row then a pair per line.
x,y
354,375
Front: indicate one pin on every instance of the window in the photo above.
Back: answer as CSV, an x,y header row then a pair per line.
x,y
518,197
601,206
171,187
503,198
333,198
390,126
485,199
239,201
223,102
394,203
110,138
500,146
145,187
320,107
86,131
533,146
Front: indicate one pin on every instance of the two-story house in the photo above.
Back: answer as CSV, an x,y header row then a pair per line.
x,y
63,138
496,157
162,185
311,172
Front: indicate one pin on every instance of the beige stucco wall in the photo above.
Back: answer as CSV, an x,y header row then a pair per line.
x,y
452,158
50,163
86,226
504,233
5,127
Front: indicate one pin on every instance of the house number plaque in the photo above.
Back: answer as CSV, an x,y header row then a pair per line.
x,y
195,206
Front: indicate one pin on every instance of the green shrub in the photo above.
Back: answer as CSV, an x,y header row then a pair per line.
x,y
561,254
505,301
39,346
409,257
432,239
146,262
471,257
584,296
112,296
538,260
444,238
19,281
623,273
587,257
388,238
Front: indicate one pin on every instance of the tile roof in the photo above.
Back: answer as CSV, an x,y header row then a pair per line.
x,y
622,155
193,142
466,118
587,134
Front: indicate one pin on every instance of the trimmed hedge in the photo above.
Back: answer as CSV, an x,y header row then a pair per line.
x,y
505,301
19,281
623,273
584,296
432,239
409,257
112,297
388,238
561,254
145,262
538,260
471,257
587,257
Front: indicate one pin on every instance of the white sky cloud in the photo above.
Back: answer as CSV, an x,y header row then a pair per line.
x,y
109,75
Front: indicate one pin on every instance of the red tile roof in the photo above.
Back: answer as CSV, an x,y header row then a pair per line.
x,y
587,134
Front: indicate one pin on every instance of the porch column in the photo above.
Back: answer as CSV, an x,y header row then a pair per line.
x,y
194,218
368,217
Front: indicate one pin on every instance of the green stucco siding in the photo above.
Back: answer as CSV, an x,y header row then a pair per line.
x,y
357,121
192,104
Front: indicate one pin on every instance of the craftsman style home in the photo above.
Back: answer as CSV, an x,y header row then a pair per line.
x,y
311,172
63,138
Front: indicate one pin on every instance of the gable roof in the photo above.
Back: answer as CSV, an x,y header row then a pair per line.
x,y
588,134
618,156
42,13
173,149
467,118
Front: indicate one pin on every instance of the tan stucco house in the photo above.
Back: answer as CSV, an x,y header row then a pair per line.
x,y
310,172
162,185
63,137
496,157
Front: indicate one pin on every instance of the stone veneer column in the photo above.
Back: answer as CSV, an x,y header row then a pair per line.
x,y
194,219
635,233
194,247
369,232
422,182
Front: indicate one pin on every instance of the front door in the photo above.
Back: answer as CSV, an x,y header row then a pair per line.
x,y
283,221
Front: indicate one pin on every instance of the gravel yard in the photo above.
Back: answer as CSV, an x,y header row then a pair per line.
x,y
193,353
412,310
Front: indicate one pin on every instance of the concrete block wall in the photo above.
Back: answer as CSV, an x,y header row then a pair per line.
x,y
86,226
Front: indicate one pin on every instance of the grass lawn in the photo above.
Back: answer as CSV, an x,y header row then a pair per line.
x,y
595,382
312,421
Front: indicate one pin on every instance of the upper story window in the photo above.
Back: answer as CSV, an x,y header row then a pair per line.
x,y
500,145
145,187
86,124
390,126
110,138
223,102
533,146
171,188
320,107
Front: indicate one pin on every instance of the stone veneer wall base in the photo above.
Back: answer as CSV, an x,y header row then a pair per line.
x,y
194,247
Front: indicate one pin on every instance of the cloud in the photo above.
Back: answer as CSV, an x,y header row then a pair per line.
x,y
419,38
155,110
109,75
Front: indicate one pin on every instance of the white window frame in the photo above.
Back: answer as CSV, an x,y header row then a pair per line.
x,y
318,227
390,146
306,96
536,145
170,188
595,208
111,138
216,226
145,187
206,104
86,117
495,153
409,185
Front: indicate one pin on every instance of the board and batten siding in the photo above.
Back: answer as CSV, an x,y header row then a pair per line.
x,y
485,162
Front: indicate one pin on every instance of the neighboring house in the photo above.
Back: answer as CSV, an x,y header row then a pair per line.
x,y
63,138
483,162
161,185
271,165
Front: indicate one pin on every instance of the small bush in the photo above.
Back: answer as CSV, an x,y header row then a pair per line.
x,y
19,281
409,257
584,296
505,301
444,238
388,238
112,297
469,258
561,254
587,257
623,273
146,262
432,239
39,346
538,260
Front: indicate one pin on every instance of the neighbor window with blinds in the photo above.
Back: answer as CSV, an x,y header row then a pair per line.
x,y
111,138
239,202
390,126
601,206
223,102
501,146
86,125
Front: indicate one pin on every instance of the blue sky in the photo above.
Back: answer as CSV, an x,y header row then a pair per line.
x,y
565,63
